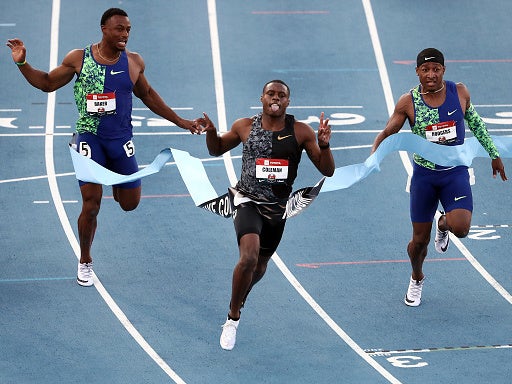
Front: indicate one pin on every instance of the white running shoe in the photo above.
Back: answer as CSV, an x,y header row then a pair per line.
x,y
442,238
84,275
228,337
413,296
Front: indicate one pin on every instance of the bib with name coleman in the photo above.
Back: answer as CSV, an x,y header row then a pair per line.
x,y
272,170
269,162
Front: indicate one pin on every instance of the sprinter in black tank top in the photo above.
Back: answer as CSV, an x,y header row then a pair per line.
x,y
272,146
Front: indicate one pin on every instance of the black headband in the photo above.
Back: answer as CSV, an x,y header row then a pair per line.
x,y
430,55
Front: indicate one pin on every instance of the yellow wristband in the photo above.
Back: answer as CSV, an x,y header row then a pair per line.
x,y
21,64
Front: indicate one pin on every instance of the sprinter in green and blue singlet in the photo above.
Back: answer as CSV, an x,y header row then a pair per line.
x,y
103,95
107,75
436,110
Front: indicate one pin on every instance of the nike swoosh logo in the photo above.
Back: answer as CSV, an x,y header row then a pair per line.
x,y
429,58
459,198
112,72
448,242
452,112
283,137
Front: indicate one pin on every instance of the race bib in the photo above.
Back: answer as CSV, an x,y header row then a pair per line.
x,y
99,104
271,170
441,133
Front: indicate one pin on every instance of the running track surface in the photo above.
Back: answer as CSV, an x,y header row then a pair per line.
x,y
330,308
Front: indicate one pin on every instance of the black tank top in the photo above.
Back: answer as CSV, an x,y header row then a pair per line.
x,y
260,145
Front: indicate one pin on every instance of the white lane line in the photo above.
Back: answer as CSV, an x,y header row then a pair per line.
x,y
219,88
486,275
219,83
52,181
383,72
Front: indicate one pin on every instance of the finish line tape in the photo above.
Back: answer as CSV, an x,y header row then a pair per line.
x,y
201,190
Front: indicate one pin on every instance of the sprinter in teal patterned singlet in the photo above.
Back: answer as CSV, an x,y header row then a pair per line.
x,y
107,76
436,110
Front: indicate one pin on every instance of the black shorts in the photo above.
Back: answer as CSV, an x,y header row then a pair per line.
x,y
266,220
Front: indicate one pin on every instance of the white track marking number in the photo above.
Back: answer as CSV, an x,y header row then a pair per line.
x,y
129,148
85,150
407,361
483,234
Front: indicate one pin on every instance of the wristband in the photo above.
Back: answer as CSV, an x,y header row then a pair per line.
x,y
21,64
324,146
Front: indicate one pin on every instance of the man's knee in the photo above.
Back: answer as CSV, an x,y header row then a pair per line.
x,y
460,232
459,222
128,199
128,205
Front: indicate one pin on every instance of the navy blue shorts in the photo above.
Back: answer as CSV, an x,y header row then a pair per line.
x,y
117,155
450,187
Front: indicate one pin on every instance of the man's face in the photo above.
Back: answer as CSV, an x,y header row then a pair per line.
x,y
116,31
275,99
431,76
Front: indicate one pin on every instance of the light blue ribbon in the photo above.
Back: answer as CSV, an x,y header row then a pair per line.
x,y
194,175
347,176
201,190
191,170
90,171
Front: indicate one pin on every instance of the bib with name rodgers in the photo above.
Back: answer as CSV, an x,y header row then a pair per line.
x,y
441,125
441,133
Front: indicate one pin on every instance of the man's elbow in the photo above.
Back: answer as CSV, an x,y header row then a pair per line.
x,y
46,89
329,172
214,151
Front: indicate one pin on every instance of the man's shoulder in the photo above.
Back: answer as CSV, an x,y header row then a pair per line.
x,y
244,120
74,59
242,124
77,52
134,57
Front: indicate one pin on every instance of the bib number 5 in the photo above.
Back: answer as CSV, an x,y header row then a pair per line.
x,y
84,149
129,148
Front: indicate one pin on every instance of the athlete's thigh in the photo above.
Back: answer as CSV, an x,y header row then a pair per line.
x,y
424,197
247,219
455,192
121,156
271,235
89,145
121,159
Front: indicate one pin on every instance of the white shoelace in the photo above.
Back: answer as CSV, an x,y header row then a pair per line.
x,y
415,290
86,270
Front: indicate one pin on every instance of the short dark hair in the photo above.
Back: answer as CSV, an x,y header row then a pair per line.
x,y
430,55
111,12
277,81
